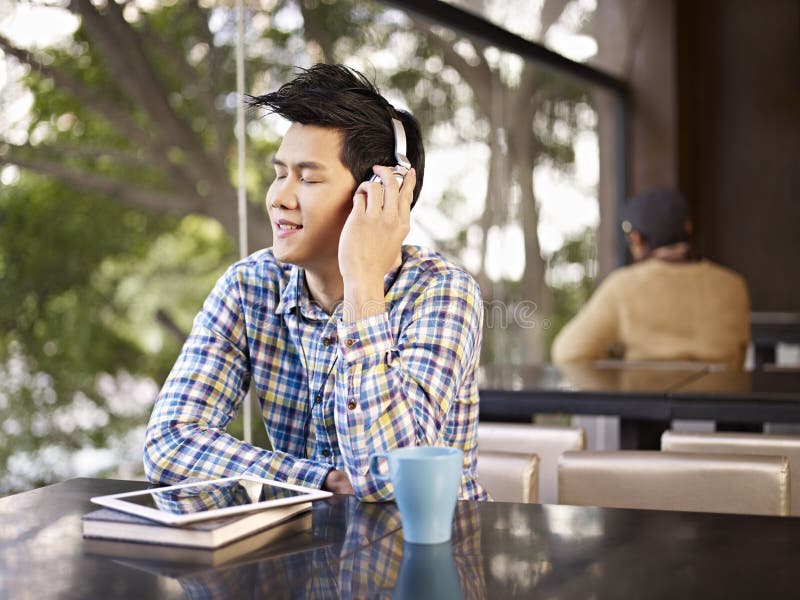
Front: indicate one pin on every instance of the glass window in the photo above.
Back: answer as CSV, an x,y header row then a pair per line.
x,y
513,161
586,31
118,190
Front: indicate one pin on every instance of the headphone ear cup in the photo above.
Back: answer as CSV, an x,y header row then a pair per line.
x,y
399,174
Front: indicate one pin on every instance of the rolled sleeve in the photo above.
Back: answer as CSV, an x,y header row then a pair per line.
x,y
403,372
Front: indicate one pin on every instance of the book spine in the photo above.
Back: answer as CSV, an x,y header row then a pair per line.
x,y
134,533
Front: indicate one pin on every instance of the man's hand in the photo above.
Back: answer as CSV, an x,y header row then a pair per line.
x,y
371,238
338,483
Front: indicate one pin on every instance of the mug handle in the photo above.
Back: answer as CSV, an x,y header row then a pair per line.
x,y
373,466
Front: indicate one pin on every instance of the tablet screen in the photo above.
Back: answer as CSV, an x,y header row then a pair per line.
x,y
211,496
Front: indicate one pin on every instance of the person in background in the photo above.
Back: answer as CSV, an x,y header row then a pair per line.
x,y
353,343
668,305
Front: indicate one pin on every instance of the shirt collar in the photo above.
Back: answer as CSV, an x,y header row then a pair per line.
x,y
295,296
295,292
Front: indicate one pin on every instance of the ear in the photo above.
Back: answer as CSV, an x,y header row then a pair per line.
x,y
637,245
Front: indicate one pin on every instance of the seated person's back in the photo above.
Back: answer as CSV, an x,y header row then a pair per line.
x,y
665,306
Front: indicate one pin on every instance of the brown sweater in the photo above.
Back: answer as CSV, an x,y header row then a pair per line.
x,y
658,310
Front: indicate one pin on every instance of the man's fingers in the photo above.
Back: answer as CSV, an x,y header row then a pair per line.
x,y
407,194
375,197
367,194
359,200
391,190
388,197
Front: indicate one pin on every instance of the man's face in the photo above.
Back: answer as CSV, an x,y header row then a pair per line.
x,y
311,197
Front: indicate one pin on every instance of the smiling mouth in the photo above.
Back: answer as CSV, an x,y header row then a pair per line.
x,y
288,226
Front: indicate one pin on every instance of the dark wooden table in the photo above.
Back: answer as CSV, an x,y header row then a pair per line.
x,y
750,397
515,393
646,396
639,392
768,329
353,550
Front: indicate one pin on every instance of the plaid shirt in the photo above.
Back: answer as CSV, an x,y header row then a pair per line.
x,y
331,393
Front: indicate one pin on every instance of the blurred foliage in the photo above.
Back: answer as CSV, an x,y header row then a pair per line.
x,y
55,240
83,280
573,267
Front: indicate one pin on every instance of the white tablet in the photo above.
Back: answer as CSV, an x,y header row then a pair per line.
x,y
209,499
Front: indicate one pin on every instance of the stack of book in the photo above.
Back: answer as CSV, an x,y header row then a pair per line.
x,y
116,534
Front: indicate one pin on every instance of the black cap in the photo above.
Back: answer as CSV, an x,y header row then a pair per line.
x,y
660,215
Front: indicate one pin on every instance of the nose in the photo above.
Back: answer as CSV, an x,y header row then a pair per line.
x,y
281,194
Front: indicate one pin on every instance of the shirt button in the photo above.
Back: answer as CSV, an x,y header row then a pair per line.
x,y
317,398
351,405
326,341
326,452
349,342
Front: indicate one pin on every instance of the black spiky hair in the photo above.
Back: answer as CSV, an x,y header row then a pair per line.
x,y
339,97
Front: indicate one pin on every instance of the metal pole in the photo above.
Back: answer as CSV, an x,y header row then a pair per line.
x,y
621,131
241,191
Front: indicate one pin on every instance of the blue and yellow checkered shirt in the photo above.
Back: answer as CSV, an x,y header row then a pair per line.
x,y
331,393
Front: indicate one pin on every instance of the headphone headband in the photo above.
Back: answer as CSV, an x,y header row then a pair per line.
x,y
400,143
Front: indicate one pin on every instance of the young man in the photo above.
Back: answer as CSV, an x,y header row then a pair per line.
x,y
353,343
668,305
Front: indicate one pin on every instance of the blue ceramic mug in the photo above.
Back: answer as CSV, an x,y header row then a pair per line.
x,y
426,481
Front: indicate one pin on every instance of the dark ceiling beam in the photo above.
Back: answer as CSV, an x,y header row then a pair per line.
x,y
452,17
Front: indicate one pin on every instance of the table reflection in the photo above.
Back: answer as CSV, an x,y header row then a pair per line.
x,y
574,526
428,572
526,550
596,376
392,568
354,550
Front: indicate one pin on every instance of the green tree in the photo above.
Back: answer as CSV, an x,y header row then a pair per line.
x,y
108,243
137,109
